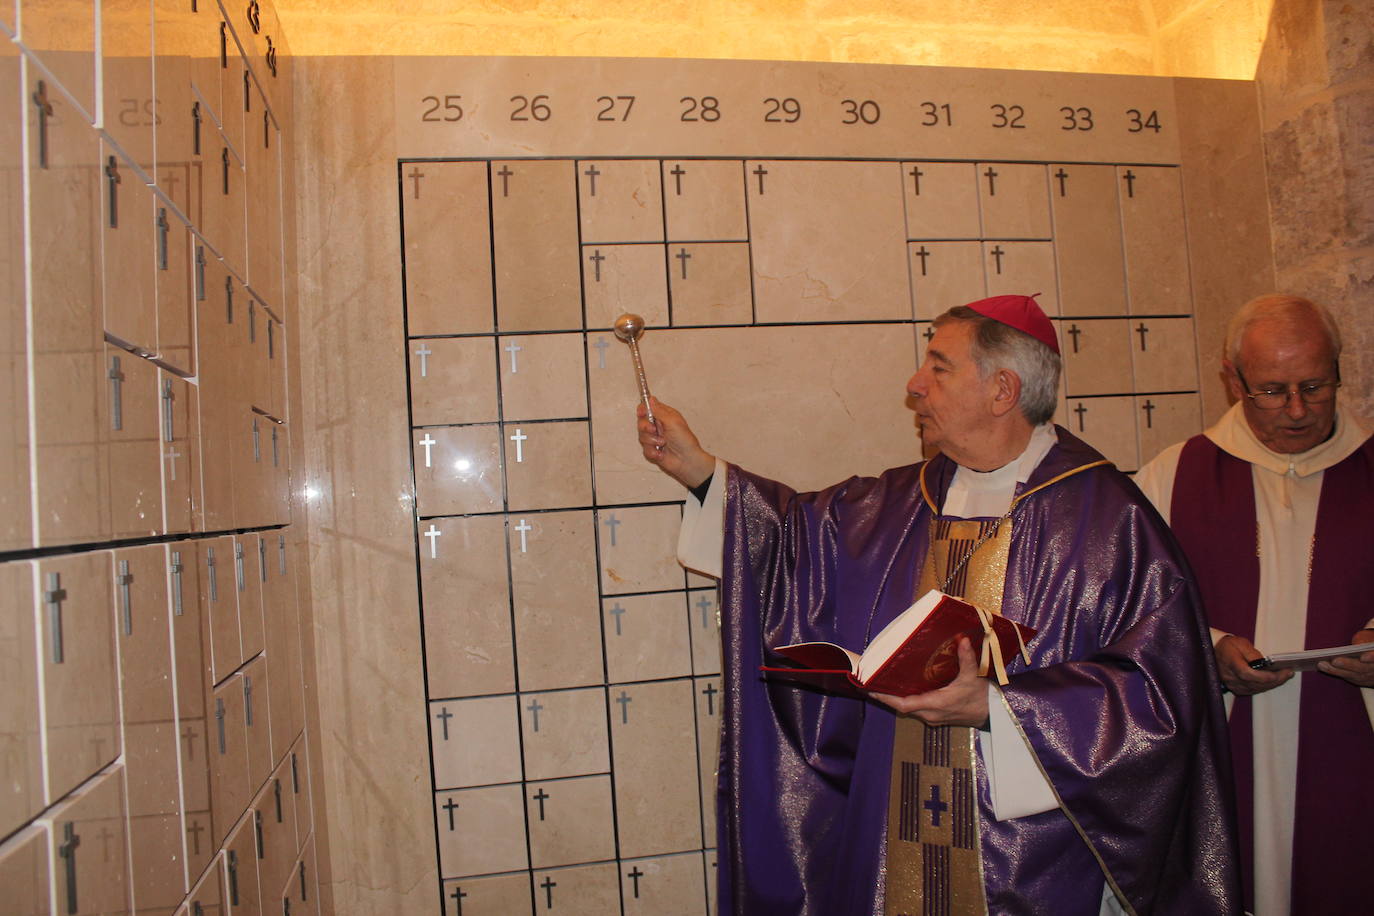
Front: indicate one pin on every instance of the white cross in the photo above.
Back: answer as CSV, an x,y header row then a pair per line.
x,y
519,440
513,348
428,442
172,456
601,345
424,353
433,535
523,527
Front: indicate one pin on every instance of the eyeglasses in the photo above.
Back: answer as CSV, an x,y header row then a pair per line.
x,y
1274,398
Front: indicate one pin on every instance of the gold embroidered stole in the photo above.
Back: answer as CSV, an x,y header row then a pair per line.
x,y
934,867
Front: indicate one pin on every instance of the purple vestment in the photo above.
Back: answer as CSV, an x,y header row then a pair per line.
x,y
1120,701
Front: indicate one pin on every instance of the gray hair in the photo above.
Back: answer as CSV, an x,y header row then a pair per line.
x,y
1279,307
999,346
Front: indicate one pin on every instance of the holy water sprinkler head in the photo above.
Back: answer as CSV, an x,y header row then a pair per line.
x,y
628,327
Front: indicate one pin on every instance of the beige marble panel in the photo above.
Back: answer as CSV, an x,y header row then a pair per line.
x,y
263,174
708,864
703,615
24,870
155,851
208,894
534,240
548,465
708,700
709,284
447,247
457,469
941,200
221,399
220,606
277,861
281,613
828,241
564,733
21,761
63,36
233,96
638,549
1022,268
542,377
133,421
126,59
1155,240
704,199
249,570
570,821
1014,200
620,200
660,886
241,870
841,384
945,274
466,594
1087,239
481,831
16,495
647,637
91,819
653,747
80,691
1164,353
1108,425
181,497
253,680
174,285
72,473
494,896
453,380
1163,419
557,626
229,787
141,606
475,742
583,890
223,199
625,278
1097,356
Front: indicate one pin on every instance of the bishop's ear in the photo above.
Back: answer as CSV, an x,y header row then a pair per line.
x,y
1006,393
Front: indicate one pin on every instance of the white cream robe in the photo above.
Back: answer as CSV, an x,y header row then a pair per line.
x,y
1287,488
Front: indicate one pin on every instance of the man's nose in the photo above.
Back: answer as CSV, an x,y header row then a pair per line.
x,y
916,386
1296,408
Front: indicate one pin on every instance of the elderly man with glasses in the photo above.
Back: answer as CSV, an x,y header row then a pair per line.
x,y
1274,506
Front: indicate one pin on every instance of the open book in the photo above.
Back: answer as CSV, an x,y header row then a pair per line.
x,y
916,652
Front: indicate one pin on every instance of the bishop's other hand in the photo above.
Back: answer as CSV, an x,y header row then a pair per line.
x,y
669,443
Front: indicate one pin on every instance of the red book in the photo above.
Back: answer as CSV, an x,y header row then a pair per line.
x,y
916,652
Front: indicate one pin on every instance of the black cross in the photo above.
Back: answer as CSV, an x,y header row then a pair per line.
x,y
705,604
548,886
444,716
710,691
760,171
67,850
457,897
591,173
683,256
40,100
923,252
634,875
195,124
1063,178
997,253
450,806
112,173
1129,178
1074,331
624,700
415,176
617,611
596,259
224,168
929,333
1149,408
276,791
677,172
170,181
541,796
195,829
105,834
535,709
991,175
1142,331
916,175
1080,410
189,735
935,806
505,174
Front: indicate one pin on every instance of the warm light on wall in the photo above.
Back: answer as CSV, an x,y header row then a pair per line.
x,y
1202,38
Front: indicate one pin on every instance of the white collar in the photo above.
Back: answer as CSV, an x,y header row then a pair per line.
x,y
987,494
1233,435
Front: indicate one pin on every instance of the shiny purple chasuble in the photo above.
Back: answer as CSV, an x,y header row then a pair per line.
x,y
1120,701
